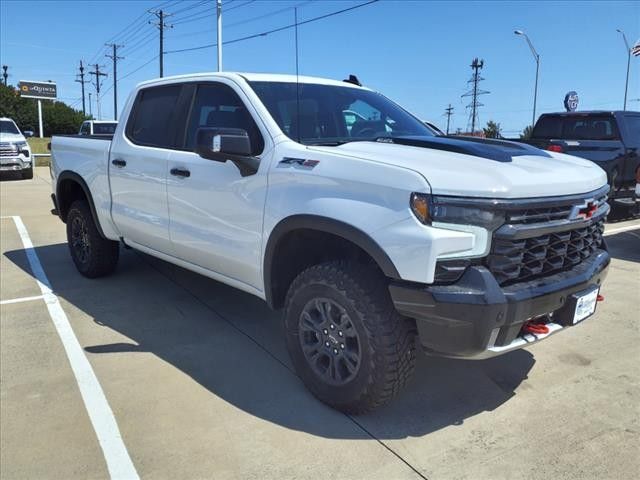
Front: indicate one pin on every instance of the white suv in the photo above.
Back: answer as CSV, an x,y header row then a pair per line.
x,y
15,153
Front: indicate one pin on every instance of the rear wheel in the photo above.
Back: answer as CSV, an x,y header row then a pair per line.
x,y
348,344
93,255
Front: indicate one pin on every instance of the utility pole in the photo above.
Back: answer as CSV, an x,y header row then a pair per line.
x,y
161,26
475,92
90,112
5,75
448,113
98,74
114,56
82,81
219,9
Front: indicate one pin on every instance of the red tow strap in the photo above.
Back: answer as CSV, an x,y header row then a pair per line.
x,y
535,327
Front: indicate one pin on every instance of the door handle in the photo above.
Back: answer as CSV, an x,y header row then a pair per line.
x,y
119,163
180,172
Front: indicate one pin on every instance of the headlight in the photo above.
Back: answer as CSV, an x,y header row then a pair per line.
x,y
23,148
461,211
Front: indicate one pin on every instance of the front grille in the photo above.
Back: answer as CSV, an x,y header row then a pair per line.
x,y
513,261
8,149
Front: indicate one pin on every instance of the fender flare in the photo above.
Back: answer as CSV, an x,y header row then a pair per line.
x,y
73,176
326,225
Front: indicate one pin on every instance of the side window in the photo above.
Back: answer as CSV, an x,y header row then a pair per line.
x,y
151,120
217,105
84,129
633,130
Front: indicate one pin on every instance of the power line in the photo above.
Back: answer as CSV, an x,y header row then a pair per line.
x,y
280,29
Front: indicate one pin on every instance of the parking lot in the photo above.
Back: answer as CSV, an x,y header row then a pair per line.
x,y
199,383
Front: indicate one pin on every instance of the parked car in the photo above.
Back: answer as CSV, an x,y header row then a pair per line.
x,y
15,152
374,239
97,127
609,139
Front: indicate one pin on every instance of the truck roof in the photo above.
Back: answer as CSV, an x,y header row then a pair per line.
x,y
250,77
589,112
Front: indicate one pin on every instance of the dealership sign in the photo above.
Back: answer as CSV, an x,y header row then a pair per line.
x,y
42,90
571,101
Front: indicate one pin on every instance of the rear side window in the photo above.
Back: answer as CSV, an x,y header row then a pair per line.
x,y
84,129
577,127
151,121
104,128
632,123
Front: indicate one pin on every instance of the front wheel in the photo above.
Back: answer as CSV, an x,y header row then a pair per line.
x,y
27,173
93,255
348,344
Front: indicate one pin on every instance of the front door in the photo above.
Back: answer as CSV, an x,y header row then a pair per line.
x,y
216,213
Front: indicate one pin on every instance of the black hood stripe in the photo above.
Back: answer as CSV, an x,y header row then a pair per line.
x,y
497,150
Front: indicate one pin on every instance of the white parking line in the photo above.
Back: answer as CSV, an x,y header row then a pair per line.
x,y
104,423
20,300
622,229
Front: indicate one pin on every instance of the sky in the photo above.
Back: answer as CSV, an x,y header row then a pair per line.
x,y
418,53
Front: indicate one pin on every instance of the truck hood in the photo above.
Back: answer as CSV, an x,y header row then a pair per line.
x,y
481,168
12,137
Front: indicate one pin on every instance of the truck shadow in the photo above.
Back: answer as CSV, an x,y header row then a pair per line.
x,y
625,245
232,344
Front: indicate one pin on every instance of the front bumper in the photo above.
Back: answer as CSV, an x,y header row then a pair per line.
x,y
477,318
8,164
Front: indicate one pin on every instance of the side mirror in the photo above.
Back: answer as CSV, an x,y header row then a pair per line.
x,y
222,144
28,133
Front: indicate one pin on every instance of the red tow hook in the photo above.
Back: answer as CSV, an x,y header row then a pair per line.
x,y
535,327
600,298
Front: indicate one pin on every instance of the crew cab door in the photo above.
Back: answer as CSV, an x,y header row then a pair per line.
x,y
630,127
215,212
138,165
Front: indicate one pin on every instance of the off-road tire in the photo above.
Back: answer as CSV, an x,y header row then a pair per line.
x,y
27,173
101,255
387,339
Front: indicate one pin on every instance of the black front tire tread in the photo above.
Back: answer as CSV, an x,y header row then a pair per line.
x,y
27,173
104,253
392,336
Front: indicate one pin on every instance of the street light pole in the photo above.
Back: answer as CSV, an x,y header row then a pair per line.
x,y
626,85
536,56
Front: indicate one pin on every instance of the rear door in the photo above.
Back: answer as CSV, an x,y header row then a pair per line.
x,y
138,168
630,128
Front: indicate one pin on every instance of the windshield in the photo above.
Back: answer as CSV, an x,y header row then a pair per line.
x,y
333,115
104,128
7,126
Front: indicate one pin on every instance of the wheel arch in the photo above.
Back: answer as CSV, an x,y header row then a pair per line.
x,y
70,186
329,228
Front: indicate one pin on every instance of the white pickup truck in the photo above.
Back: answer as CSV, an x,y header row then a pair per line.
x,y
15,152
374,235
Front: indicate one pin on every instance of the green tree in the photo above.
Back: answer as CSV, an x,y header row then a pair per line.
x,y
492,130
57,117
526,133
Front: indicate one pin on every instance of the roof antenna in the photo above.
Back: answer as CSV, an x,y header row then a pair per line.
x,y
295,13
353,79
